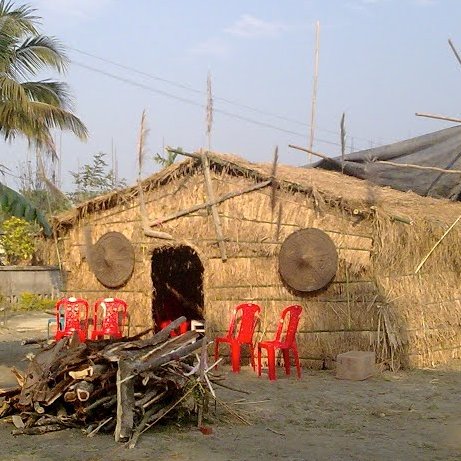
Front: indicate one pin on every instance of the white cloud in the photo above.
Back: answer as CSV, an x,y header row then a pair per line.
x,y
249,27
211,47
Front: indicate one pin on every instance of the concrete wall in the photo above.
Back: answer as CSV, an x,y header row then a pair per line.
x,y
45,281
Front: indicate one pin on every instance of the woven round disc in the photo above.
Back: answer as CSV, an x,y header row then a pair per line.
x,y
308,260
112,259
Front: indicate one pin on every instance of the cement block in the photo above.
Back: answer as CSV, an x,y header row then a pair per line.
x,y
355,365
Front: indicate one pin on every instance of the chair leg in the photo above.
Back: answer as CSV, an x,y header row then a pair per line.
x,y
252,357
298,366
259,360
271,363
286,359
216,352
235,351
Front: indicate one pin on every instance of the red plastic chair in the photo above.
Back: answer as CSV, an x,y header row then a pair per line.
x,y
248,319
285,345
113,319
72,315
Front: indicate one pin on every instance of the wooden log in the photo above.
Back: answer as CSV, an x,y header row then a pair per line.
x,y
70,396
80,374
201,206
99,402
38,408
5,408
57,391
28,341
99,426
172,344
18,422
113,351
178,354
153,412
89,372
20,378
125,402
38,429
150,398
10,391
83,390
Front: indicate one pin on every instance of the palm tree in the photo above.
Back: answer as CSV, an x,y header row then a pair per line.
x,y
32,108
28,107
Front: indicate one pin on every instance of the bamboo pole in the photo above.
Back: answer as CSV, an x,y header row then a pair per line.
x,y
438,117
417,167
214,210
454,50
421,264
142,205
385,162
343,141
216,201
317,154
314,85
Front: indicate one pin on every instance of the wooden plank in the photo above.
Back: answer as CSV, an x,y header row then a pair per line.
x,y
125,402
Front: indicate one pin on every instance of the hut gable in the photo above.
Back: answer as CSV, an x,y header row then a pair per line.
x,y
375,301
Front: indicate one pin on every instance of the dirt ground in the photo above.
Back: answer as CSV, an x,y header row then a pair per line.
x,y
402,416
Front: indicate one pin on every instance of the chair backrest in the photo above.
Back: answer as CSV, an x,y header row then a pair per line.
x,y
107,311
74,311
289,329
247,315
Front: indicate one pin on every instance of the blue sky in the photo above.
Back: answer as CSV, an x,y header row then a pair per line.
x,y
380,62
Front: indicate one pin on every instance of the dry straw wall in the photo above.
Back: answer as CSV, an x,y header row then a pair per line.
x,y
375,301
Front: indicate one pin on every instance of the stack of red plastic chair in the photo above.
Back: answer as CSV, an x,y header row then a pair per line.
x,y
72,316
236,336
287,344
110,318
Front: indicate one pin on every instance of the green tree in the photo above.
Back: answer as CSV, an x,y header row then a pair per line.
x,y
94,179
31,107
17,240
167,159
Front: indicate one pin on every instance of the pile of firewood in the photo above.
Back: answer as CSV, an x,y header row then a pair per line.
x,y
124,385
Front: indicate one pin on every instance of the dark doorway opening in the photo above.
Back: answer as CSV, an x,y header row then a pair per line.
x,y
177,278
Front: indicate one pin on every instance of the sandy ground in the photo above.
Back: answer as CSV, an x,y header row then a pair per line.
x,y
403,416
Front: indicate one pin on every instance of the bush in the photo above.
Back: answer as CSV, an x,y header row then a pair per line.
x,y
32,302
17,240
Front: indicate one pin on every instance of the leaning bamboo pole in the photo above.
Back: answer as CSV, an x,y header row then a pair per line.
x,y
438,117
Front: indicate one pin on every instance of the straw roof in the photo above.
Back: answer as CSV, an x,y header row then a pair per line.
x,y
335,189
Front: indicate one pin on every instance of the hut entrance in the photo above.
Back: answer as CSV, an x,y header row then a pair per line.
x,y
177,278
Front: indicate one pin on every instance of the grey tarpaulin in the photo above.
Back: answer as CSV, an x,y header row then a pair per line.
x,y
441,149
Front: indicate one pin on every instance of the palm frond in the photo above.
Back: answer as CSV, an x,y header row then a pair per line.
x,y
15,204
56,117
50,92
37,53
11,90
17,20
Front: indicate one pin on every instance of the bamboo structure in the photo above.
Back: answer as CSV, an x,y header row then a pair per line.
x,y
375,302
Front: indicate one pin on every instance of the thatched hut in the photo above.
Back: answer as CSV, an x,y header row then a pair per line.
x,y
375,301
